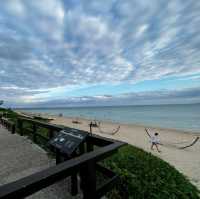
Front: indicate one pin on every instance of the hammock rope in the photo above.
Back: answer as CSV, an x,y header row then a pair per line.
x,y
147,132
109,133
194,141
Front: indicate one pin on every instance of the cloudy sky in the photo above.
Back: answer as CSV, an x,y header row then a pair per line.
x,y
99,52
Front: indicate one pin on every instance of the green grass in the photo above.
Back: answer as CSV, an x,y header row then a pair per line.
x,y
144,176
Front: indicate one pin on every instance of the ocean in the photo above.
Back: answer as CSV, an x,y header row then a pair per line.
x,y
182,117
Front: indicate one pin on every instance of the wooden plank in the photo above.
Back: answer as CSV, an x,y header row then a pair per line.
x,y
13,128
86,163
105,171
20,126
27,130
88,180
42,124
8,124
74,184
96,140
42,137
33,183
106,187
51,133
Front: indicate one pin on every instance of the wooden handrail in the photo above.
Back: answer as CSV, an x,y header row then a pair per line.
x,y
8,124
35,182
85,164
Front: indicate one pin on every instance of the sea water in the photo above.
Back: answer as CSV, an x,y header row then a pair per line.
x,y
183,117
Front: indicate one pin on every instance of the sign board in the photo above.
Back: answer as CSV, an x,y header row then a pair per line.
x,y
68,140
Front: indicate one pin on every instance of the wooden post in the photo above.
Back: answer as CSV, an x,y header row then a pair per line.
x,y
74,184
34,133
90,146
91,127
58,157
6,124
88,180
81,149
74,180
20,126
51,133
13,129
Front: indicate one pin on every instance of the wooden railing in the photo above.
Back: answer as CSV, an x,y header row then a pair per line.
x,y
34,128
85,165
8,124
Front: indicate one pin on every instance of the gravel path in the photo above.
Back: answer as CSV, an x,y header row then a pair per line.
x,y
19,157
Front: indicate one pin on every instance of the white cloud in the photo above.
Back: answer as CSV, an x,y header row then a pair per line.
x,y
50,44
15,7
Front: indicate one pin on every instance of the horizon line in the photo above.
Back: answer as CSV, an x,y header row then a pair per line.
x,y
92,106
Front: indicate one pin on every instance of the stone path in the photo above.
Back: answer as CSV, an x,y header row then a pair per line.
x,y
19,157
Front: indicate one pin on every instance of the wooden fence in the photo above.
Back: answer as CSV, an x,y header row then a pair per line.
x,y
85,164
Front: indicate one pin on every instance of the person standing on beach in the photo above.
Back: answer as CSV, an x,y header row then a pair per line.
x,y
155,142
153,139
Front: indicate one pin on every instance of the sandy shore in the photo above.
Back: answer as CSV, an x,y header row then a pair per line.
x,y
186,160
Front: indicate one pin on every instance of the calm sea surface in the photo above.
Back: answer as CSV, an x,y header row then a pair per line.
x,y
183,117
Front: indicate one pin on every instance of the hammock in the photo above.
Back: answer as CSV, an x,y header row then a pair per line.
x,y
94,124
193,143
147,132
109,133
76,121
174,144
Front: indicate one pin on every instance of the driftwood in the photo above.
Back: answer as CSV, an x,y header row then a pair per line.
x,y
76,122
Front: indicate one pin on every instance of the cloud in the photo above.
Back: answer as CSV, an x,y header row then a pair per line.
x,y
13,94
132,98
53,43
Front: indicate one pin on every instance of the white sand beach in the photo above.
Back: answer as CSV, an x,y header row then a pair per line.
x,y
185,160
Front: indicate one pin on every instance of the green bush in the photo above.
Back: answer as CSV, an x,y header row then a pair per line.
x,y
144,176
9,114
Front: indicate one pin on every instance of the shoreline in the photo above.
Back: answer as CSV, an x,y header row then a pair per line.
x,y
196,133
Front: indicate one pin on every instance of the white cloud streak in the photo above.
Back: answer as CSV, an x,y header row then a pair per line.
x,y
53,43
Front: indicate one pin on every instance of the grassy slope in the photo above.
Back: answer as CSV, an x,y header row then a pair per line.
x,y
144,176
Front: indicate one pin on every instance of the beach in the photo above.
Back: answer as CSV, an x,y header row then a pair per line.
x,y
184,117
187,160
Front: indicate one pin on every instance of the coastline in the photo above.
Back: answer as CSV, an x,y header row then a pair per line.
x,y
48,115
187,160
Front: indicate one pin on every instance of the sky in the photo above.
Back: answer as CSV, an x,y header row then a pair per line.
x,y
99,52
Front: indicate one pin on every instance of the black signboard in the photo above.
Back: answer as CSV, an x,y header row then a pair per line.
x,y
68,140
